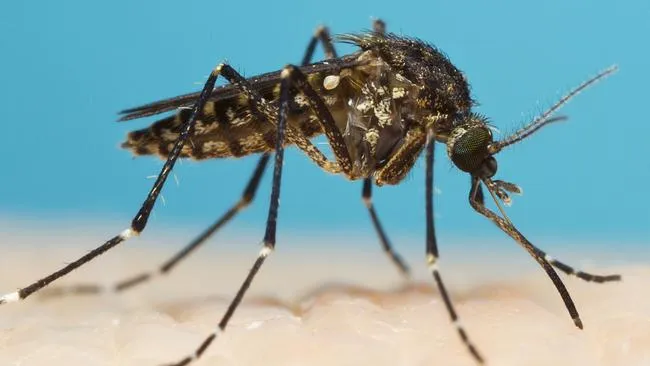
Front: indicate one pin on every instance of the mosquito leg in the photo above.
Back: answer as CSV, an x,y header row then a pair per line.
x,y
271,222
247,197
432,252
244,201
509,229
379,26
139,222
402,161
589,277
332,132
383,238
560,265
321,34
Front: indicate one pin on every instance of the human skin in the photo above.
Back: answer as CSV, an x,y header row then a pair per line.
x,y
340,306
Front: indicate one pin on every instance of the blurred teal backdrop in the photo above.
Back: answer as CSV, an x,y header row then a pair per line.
x,y
68,67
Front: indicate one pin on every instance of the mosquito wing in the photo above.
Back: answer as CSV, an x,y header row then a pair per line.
x,y
227,126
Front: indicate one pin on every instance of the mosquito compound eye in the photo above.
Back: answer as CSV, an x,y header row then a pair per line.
x,y
467,148
488,168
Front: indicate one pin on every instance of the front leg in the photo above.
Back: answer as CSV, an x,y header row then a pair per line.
x,y
432,253
507,227
402,160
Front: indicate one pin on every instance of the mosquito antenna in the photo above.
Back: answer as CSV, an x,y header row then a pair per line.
x,y
545,119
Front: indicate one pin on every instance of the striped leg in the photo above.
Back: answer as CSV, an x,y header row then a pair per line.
x,y
476,201
139,222
554,262
572,272
292,81
247,197
321,34
379,26
383,238
432,252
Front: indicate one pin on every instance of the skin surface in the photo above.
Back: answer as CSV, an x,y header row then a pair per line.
x,y
343,306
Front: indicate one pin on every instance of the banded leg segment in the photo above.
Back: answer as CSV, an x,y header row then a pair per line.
x,y
475,200
383,238
589,277
343,162
322,113
321,34
432,251
291,81
246,198
565,268
139,222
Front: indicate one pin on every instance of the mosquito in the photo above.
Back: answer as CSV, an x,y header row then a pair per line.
x,y
379,108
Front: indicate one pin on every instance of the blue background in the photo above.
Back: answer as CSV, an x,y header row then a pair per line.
x,y
67,67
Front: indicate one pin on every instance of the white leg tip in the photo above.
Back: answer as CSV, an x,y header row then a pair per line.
x,y
12,297
548,258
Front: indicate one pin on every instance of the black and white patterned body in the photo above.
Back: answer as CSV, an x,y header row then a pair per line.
x,y
376,96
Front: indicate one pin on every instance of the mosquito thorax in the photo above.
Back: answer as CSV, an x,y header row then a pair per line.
x,y
467,147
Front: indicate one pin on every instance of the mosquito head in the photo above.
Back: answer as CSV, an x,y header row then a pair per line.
x,y
471,147
468,146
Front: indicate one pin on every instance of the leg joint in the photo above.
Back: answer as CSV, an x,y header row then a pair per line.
x,y
217,70
432,261
266,250
245,200
321,31
288,71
